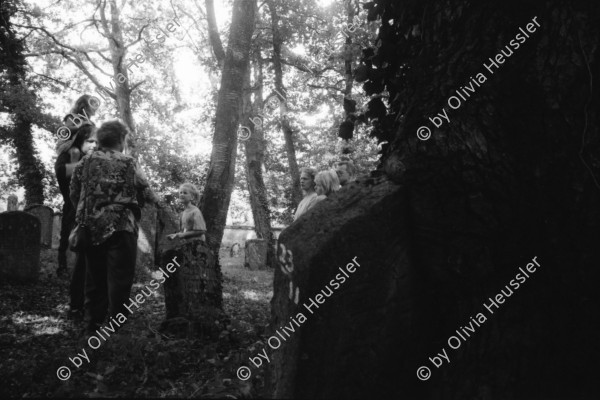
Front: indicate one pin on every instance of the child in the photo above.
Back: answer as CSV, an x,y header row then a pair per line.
x,y
191,222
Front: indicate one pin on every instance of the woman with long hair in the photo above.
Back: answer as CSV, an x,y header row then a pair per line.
x,y
81,140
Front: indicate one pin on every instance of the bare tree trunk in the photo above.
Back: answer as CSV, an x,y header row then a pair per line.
x,y
285,123
219,184
121,76
255,154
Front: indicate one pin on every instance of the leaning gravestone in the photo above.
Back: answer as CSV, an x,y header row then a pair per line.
x,y
13,203
46,216
256,254
19,246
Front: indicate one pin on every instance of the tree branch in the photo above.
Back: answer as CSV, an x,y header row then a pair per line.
x,y
213,32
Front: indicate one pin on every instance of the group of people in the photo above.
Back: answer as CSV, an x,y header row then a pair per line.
x,y
318,186
103,190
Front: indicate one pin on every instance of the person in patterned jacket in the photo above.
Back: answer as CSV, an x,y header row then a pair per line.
x,y
114,189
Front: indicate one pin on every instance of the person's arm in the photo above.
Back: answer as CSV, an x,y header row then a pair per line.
x,y
75,155
199,227
75,187
143,187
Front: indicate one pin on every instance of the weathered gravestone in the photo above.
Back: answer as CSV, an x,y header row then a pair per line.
x,y
256,254
193,291
56,225
343,332
12,203
19,246
46,216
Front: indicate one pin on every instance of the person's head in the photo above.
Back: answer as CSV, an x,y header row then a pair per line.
x,y
188,193
112,134
85,139
345,171
307,179
84,106
326,182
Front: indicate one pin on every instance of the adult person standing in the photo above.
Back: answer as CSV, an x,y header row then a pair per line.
x,y
307,183
326,183
346,172
83,143
68,155
108,183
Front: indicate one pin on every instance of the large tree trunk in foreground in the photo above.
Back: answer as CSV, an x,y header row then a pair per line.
x,y
510,178
219,184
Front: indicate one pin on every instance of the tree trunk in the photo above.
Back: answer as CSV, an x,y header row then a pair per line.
x,y
285,123
120,72
19,101
30,173
453,228
219,184
255,154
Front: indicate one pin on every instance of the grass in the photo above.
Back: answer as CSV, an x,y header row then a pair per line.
x,y
36,339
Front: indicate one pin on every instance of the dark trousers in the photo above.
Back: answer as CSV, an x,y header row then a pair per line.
x,y
77,286
66,225
109,277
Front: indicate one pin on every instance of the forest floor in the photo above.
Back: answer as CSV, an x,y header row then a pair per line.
x,y
36,339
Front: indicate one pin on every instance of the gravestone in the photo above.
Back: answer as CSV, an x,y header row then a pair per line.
x,y
235,250
19,246
256,254
46,216
56,225
12,203
193,288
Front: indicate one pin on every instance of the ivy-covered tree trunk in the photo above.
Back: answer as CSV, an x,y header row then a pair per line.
x,y
509,175
19,101
219,184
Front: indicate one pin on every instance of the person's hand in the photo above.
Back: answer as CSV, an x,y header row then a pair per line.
x,y
173,236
